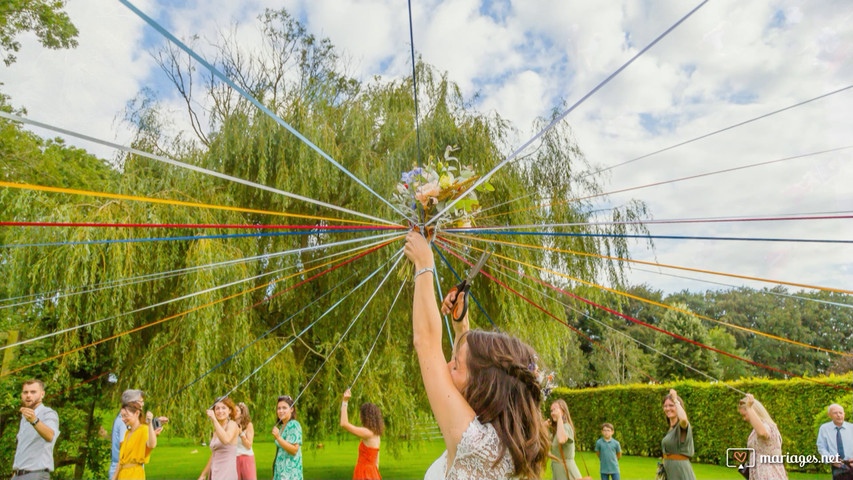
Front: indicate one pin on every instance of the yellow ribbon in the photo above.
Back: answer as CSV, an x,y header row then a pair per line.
x,y
72,191
625,294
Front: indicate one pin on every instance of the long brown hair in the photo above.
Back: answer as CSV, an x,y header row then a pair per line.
x,y
503,390
565,409
245,419
371,418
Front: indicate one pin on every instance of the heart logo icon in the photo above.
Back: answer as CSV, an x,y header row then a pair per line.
x,y
740,457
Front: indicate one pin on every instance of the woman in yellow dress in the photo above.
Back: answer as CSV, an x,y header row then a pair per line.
x,y
138,443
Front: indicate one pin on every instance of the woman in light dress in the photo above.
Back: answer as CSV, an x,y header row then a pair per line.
x,y
486,400
764,439
222,464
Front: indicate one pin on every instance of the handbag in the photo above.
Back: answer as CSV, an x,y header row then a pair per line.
x,y
661,473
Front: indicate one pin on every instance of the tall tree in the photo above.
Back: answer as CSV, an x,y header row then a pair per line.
x,y
45,18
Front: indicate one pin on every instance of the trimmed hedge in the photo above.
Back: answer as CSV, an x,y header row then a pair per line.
x,y
637,414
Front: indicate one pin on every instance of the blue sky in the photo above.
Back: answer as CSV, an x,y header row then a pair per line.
x,y
730,62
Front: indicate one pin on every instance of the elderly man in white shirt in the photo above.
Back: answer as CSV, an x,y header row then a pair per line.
x,y
835,439
36,436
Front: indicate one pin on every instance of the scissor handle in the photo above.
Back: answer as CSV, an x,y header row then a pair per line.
x,y
460,308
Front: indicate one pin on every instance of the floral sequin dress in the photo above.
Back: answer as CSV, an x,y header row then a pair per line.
x,y
475,457
768,446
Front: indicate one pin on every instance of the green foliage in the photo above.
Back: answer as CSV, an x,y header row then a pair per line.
x,y
691,328
712,408
43,17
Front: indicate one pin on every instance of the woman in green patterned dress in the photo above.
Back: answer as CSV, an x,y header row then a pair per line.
x,y
288,442
677,444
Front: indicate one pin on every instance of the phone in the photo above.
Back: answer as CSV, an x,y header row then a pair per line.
x,y
155,422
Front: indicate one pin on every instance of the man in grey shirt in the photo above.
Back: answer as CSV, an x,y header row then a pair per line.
x,y
36,436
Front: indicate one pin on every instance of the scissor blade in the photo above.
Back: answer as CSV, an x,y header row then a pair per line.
x,y
477,266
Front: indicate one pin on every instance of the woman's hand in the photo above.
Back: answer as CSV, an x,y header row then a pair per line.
x,y
148,417
347,395
749,400
462,325
673,395
211,415
418,251
556,413
275,432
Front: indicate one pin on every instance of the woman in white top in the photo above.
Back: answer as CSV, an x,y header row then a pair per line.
x,y
486,400
246,469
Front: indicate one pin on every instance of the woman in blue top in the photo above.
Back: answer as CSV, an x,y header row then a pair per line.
x,y
288,442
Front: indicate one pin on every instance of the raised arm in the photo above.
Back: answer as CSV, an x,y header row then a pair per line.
x,y
679,409
226,434
449,407
562,436
360,432
152,436
756,422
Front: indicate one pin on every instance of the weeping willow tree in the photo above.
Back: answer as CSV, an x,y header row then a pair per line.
x,y
368,127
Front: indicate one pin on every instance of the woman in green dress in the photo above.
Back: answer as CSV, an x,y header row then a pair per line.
x,y
677,444
288,442
563,444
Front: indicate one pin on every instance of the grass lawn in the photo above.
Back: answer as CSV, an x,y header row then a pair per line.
x,y
336,460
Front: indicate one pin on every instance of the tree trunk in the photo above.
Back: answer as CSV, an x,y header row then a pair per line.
x,y
80,467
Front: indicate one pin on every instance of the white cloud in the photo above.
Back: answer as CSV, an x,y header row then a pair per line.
x,y
84,88
729,62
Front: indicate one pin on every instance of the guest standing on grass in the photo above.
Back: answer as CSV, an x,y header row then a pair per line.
x,y
246,469
562,455
288,442
609,451
764,439
36,436
222,464
677,444
835,439
139,440
120,429
370,433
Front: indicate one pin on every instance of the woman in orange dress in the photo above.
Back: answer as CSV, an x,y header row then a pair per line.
x,y
138,443
367,466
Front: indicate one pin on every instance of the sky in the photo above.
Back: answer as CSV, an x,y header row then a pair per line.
x,y
729,62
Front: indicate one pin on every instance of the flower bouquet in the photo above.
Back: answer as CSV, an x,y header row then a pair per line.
x,y
429,189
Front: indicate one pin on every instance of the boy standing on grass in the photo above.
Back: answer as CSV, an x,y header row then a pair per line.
x,y
609,452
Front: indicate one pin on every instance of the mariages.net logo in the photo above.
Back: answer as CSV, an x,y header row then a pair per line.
x,y
741,458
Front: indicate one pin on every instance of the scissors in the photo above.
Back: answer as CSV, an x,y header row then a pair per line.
x,y
461,308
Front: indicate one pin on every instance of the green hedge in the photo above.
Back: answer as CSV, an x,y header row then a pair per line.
x,y
637,414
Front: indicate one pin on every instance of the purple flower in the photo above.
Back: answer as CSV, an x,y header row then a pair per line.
x,y
408,177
